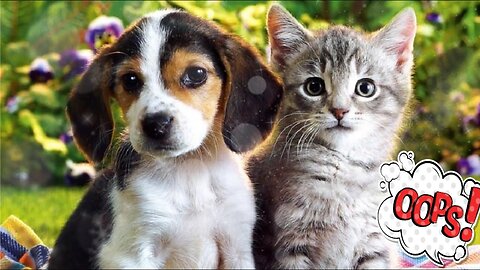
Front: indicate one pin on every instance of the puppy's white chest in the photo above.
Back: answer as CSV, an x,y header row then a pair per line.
x,y
177,210
192,243
182,215
184,191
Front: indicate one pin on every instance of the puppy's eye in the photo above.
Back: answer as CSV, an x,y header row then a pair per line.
x,y
365,88
314,86
194,76
131,82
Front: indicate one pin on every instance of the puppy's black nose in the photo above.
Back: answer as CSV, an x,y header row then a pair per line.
x,y
157,126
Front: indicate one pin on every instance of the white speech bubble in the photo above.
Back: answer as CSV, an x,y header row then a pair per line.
x,y
426,177
390,171
406,159
469,184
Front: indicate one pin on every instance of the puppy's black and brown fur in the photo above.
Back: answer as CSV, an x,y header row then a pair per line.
x,y
224,99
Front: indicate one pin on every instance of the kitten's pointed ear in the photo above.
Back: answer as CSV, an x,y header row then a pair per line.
x,y
398,36
285,35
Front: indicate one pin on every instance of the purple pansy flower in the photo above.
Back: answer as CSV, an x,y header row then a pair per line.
x,y
12,104
66,137
469,165
79,174
434,17
103,30
472,119
75,62
466,121
40,71
476,117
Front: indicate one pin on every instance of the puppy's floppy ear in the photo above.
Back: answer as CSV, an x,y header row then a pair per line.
x,y
254,96
88,109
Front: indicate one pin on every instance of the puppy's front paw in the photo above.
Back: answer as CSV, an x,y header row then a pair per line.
x,y
242,262
120,262
111,258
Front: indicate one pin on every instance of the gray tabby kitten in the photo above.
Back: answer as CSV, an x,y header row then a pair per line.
x,y
317,177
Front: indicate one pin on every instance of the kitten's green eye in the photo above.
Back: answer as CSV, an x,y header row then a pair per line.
x,y
365,88
314,86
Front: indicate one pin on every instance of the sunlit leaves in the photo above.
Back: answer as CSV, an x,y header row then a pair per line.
x,y
49,144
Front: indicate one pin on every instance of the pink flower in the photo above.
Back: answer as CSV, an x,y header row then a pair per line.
x,y
12,104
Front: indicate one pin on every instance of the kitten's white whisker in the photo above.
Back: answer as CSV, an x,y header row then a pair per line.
x,y
290,130
283,130
300,143
314,129
291,114
293,137
279,135
312,139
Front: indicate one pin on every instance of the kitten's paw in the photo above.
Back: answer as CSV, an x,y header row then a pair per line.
x,y
376,263
295,262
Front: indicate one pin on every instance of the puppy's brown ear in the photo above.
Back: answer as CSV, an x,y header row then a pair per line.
x,y
89,110
254,96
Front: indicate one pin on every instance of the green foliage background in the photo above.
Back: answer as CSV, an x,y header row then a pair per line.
x,y
45,210
447,78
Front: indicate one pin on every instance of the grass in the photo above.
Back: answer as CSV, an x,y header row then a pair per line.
x,y
45,210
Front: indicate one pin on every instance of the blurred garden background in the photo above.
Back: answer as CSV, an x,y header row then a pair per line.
x,y
46,45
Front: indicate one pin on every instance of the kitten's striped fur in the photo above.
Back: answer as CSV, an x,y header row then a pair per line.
x,y
317,182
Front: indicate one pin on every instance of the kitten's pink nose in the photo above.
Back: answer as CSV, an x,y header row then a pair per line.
x,y
338,113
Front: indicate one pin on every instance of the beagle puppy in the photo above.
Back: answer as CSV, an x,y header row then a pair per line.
x,y
177,195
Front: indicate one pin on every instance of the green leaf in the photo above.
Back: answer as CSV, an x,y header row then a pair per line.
x,y
16,17
45,96
48,144
52,124
19,54
58,29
